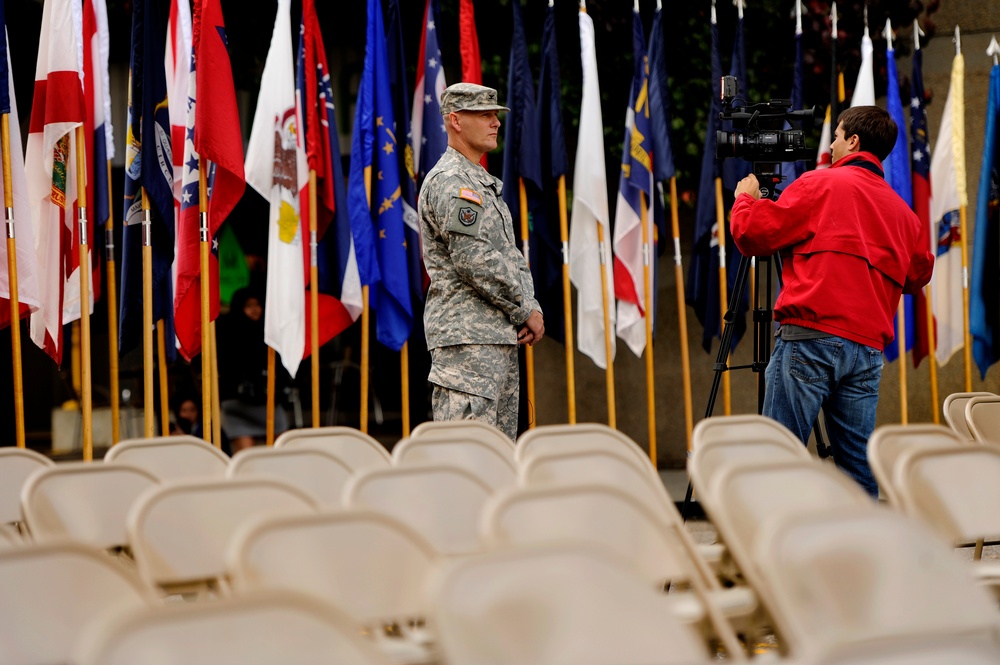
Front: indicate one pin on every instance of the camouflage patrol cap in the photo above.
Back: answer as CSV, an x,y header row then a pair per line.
x,y
469,97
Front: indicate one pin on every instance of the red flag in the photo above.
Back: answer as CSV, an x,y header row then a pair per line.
x,y
468,45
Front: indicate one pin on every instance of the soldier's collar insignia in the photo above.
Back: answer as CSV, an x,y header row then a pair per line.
x,y
470,195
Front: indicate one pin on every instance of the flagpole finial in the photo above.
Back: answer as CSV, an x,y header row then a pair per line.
x,y
833,19
917,34
714,21
888,34
866,21
659,5
958,40
799,8
583,6
994,50
552,3
740,6
635,6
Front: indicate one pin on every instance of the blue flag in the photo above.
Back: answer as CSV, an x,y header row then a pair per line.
x,y
663,155
897,174
792,170
373,151
148,169
984,291
429,136
546,253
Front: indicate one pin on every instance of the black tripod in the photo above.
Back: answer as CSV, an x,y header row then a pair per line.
x,y
768,175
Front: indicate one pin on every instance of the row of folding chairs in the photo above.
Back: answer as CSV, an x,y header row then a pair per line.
x,y
974,416
836,575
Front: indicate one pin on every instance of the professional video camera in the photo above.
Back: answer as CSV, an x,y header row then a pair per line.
x,y
759,134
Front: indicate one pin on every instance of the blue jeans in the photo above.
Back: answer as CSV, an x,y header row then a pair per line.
x,y
838,375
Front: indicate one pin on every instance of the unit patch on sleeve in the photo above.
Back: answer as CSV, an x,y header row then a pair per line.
x,y
465,216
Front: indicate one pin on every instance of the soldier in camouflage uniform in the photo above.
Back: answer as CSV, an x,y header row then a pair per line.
x,y
481,302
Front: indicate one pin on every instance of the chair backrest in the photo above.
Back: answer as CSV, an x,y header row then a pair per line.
x,y
560,605
599,515
889,442
316,471
909,650
582,436
954,412
955,489
16,464
982,415
441,503
855,576
491,461
179,531
711,459
473,429
82,501
170,457
743,427
54,594
352,447
10,537
369,565
255,629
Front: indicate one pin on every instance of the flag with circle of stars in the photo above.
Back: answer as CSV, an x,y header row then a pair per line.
x,y
426,125
920,162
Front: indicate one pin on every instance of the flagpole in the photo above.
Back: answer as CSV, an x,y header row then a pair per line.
x,y
15,306
85,379
647,278
365,324
270,396
567,304
216,409
206,351
904,410
720,218
608,355
965,297
161,344
681,313
111,289
529,352
149,423
313,298
932,354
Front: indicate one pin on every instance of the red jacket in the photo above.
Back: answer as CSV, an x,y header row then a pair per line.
x,y
849,246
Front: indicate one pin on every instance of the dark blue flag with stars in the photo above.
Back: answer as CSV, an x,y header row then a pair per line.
x,y
984,291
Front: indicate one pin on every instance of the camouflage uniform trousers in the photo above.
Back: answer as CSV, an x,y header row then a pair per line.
x,y
476,382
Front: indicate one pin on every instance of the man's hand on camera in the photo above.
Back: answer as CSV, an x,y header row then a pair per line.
x,y
532,331
749,185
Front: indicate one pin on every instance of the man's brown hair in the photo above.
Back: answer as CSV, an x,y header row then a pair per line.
x,y
874,127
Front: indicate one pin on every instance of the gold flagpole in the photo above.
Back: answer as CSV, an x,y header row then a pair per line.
x,y
111,289
365,324
206,345
15,306
161,343
529,353
608,355
313,298
216,410
967,337
85,378
681,313
932,355
720,218
567,304
647,278
149,420
404,376
904,409
270,396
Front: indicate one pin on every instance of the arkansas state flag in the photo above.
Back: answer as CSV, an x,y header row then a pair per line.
x,y
57,109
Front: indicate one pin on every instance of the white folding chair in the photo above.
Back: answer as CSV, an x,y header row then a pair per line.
x,y
179,531
369,565
954,411
855,577
982,415
170,457
16,464
82,501
889,442
473,429
710,459
743,427
316,471
353,447
441,503
559,605
582,436
54,594
492,462
910,650
255,629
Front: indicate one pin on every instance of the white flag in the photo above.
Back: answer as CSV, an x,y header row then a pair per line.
x,y
276,168
864,89
590,211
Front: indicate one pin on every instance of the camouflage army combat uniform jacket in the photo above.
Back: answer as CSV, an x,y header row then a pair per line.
x,y
481,289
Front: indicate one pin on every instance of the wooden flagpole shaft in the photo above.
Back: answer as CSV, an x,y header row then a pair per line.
x,y
608,355
85,379
216,407
720,219
529,352
681,313
15,306
111,291
148,408
270,396
567,304
966,336
647,280
404,376
313,298
932,355
904,409
365,326
161,344
206,350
